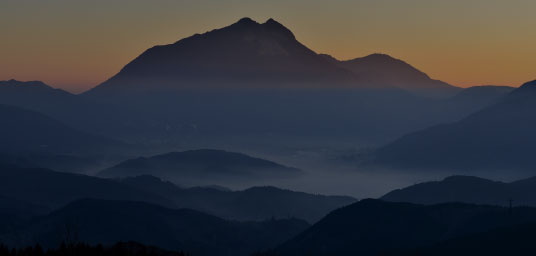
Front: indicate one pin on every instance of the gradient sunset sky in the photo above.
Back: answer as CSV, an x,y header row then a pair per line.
x,y
75,44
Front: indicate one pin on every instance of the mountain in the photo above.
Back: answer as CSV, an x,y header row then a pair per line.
x,y
108,222
19,93
14,213
21,188
374,227
249,81
253,204
55,189
245,54
517,240
467,189
497,137
31,132
201,167
388,71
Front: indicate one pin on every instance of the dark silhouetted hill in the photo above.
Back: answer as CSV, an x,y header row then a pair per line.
x,y
257,203
108,222
50,190
14,213
517,240
467,189
371,227
497,137
198,166
55,189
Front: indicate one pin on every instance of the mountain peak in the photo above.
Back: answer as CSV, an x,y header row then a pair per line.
x,y
379,56
246,20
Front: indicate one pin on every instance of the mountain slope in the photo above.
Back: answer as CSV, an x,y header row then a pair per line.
x,y
107,222
517,240
388,71
197,167
373,227
499,136
27,131
467,189
55,189
245,54
257,203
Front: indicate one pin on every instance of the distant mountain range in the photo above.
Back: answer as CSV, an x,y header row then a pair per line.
x,y
257,203
32,132
197,167
266,55
108,222
51,190
374,227
468,189
55,189
249,81
500,136
388,71
246,82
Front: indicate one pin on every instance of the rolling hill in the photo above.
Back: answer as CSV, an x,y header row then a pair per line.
x,y
253,204
108,222
467,189
197,167
373,227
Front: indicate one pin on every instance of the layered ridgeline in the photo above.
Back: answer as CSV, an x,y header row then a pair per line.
x,y
73,110
249,55
252,80
201,167
468,189
51,190
388,71
25,131
497,137
32,139
256,203
108,222
373,227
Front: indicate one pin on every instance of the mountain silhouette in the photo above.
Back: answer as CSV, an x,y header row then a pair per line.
x,y
388,71
498,136
374,227
257,203
48,190
245,54
197,166
107,222
467,189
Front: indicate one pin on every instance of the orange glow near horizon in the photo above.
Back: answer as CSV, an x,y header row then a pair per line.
x,y
76,45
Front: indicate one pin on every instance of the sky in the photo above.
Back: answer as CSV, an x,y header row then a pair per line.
x,y
77,44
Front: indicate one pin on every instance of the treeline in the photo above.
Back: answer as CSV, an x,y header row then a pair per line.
x,y
82,249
